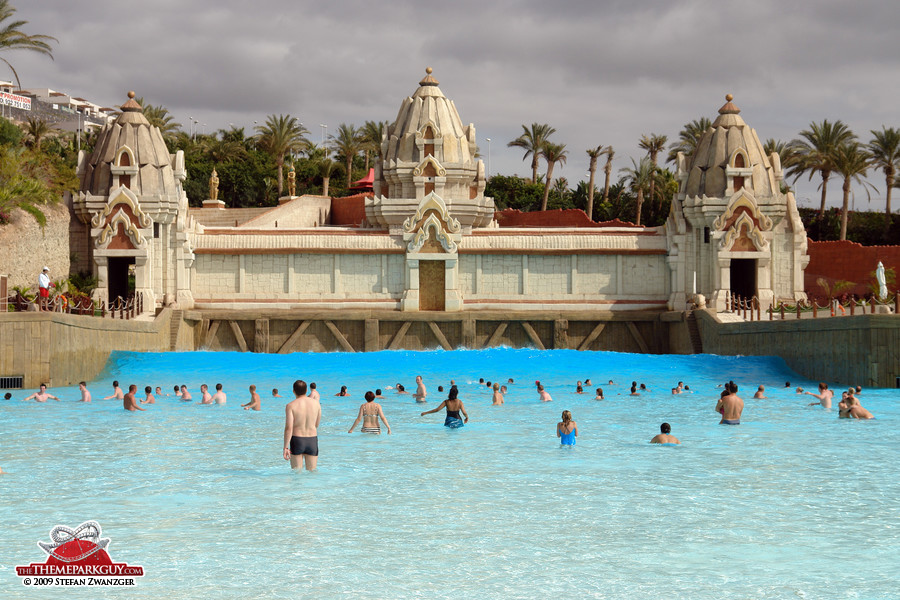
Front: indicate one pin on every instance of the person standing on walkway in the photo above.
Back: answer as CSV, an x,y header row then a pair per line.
x,y
44,285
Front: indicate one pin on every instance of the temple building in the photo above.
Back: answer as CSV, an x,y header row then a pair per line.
x,y
427,238
732,229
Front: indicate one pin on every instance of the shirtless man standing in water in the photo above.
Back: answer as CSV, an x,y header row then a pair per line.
x,y
730,406
255,401
42,395
421,392
117,392
129,402
825,395
301,421
219,397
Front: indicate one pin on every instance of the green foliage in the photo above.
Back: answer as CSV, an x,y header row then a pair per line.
x,y
10,134
13,38
510,191
82,283
866,228
26,182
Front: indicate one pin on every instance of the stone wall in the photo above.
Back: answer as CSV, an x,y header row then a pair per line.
x,y
25,247
61,349
859,350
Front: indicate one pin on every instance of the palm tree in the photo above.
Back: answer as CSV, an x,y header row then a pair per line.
x,y
372,133
639,177
610,153
816,151
594,154
347,142
851,161
280,135
12,38
532,141
158,116
224,150
653,144
552,153
885,149
37,129
688,138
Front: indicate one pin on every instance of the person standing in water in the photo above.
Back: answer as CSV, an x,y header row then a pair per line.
x,y
219,397
369,413
117,392
85,393
255,401
454,406
301,422
129,402
498,395
567,429
421,392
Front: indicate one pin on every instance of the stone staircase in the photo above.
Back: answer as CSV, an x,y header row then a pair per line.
x,y
174,324
694,330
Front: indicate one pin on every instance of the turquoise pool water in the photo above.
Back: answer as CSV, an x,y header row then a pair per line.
x,y
793,503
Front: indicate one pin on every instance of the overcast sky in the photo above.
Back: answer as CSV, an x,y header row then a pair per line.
x,y
600,72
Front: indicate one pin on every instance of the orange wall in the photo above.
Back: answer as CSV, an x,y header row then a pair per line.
x,y
847,261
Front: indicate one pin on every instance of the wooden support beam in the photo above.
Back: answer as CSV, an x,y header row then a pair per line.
x,y
289,343
398,337
492,341
532,334
339,337
468,333
560,334
439,335
595,333
242,343
637,337
211,333
373,339
261,336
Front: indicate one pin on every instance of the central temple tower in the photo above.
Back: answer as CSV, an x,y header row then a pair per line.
x,y
429,189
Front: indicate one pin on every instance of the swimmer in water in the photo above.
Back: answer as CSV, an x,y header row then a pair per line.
x,y
275,393
128,401
343,391
497,396
634,391
255,401
175,389
678,388
41,395
730,406
313,392
185,394
401,390
599,395
219,397
85,394
543,394
117,392
567,429
369,413
760,393
579,389
148,396
421,392
856,410
206,397
159,392
664,436
825,395
454,406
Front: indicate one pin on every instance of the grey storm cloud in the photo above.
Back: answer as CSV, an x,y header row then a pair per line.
x,y
599,72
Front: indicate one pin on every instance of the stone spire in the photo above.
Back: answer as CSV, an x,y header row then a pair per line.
x,y
428,149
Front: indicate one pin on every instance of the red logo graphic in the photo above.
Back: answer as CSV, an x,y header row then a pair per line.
x,y
78,557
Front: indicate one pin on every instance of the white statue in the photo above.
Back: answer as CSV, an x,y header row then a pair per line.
x,y
882,284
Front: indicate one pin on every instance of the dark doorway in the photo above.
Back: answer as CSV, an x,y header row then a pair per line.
x,y
120,281
743,277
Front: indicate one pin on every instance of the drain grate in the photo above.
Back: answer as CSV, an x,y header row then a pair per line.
x,y
13,382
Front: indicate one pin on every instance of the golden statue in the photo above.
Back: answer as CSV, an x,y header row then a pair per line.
x,y
292,182
214,185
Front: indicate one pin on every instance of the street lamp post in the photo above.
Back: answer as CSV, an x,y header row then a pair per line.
x,y
191,119
489,156
324,131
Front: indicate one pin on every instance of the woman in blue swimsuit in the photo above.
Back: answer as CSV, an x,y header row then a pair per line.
x,y
454,406
567,429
